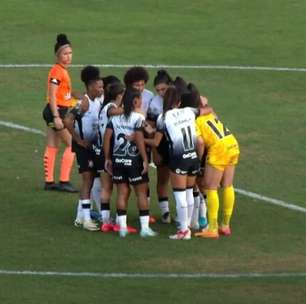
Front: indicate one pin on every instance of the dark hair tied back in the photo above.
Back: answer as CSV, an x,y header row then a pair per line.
x,y
162,76
61,40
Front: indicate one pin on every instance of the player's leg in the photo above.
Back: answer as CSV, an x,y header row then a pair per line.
x,y
179,185
212,179
87,180
163,175
123,191
189,195
143,206
106,193
228,199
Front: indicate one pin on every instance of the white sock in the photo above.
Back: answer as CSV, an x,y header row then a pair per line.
x,y
144,221
181,208
122,221
95,193
79,215
195,214
105,213
203,207
164,205
86,209
190,203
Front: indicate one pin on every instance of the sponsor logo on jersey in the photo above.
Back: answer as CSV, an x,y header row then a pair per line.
x,y
190,155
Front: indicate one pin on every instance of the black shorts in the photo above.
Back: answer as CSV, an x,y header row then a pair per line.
x,y
185,166
48,116
85,158
129,175
99,159
163,151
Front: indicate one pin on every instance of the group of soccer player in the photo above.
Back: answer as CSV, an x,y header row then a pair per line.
x,y
116,129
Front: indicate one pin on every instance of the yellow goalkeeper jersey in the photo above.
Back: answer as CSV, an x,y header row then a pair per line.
x,y
222,146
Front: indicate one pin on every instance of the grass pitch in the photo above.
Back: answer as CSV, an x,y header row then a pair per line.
x,y
265,110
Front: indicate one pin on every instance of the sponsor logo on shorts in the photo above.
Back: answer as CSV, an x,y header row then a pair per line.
x,y
125,162
90,164
135,179
117,177
179,171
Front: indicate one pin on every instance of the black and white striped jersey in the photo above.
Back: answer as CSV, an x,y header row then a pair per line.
x,y
146,97
86,124
125,152
155,108
103,121
178,125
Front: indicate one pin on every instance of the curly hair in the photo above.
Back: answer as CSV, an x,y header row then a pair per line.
x,y
135,74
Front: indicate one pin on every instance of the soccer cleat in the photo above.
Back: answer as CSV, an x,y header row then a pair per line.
x,y
51,186
78,222
130,229
205,233
67,187
107,227
225,230
123,233
152,220
203,222
90,225
181,235
166,218
147,232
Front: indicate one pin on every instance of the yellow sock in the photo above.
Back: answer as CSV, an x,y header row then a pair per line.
x,y
212,209
228,204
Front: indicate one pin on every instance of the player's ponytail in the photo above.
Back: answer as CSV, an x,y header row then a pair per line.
x,y
128,101
162,76
112,91
191,98
171,99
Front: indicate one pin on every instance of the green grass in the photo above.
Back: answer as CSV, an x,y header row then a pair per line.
x,y
265,110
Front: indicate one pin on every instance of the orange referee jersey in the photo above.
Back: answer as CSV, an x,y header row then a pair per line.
x,y
59,76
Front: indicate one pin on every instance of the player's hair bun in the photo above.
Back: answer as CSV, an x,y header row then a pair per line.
x,y
62,39
162,77
90,73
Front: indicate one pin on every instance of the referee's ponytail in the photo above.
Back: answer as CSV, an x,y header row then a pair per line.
x,y
128,100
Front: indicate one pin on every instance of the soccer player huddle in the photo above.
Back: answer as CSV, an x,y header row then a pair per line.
x,y
118,128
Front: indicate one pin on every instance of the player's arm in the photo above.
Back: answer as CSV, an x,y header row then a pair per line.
x,y
113,111
107,147
200,146
69,121
58,123
155,141
139,141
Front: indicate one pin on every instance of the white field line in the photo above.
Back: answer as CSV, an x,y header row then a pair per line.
x,y
253,195
123,275
166,66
